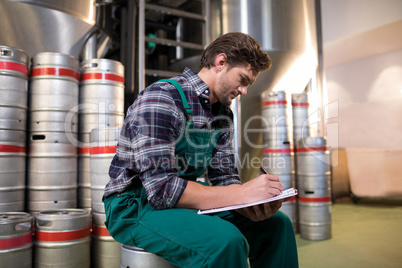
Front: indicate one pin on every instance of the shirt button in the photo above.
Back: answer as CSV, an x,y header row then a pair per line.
x,y
206,101
118,195
206,91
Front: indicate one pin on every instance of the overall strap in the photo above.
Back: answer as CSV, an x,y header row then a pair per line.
x,y
187,108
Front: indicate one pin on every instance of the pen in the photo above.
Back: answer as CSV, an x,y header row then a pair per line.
x,y
263,170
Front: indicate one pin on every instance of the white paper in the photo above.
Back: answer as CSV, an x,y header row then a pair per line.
x,y
285,194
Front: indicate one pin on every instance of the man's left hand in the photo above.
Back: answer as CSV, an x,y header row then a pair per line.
x,y
261,212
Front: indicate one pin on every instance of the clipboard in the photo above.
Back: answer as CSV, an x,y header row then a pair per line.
x,y
285,194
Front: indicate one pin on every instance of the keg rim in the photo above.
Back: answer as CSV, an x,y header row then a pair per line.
x,y
62,213
20,216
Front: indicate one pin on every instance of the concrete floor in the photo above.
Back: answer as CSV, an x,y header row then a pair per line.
x,y
364,235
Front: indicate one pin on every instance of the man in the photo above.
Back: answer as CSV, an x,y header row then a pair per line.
x,y
175,131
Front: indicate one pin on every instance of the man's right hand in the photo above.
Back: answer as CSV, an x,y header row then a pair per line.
x,y
263,187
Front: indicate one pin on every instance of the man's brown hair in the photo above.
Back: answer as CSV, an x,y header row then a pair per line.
x,y
240,49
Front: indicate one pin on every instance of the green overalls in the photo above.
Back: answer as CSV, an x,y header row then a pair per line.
x,y
187,239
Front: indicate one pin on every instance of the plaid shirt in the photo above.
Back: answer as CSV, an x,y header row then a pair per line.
x,y
146,147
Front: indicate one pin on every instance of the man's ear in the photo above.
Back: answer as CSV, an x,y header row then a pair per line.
x,y
220,61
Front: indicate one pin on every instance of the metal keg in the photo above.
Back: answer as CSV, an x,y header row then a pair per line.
x,y
54,82
105,251
278,160
13,121
274,116
12,170
88,122
102,86
313,156
54,121
101,101
103,148
315,207
62,239
300,105
314,185
52,172
289,207
15,239
136,257
13,78
84,179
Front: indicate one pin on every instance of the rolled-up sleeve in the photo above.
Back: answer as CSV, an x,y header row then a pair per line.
x,y
155,124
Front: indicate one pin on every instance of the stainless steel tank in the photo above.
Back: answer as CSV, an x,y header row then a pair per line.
x,y
287,31
51,25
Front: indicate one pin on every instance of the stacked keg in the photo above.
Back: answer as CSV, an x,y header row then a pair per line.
x,y
314,185
101,105
62,238
52,161
105,251
274,105
15,239
13,124
103,143
278,152
301,128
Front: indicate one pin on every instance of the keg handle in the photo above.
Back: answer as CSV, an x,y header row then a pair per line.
x,y
272,94
24,226
309,192
90,65
44,224
38,137
6,52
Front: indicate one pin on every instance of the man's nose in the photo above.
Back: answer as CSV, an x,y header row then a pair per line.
x,y
242,90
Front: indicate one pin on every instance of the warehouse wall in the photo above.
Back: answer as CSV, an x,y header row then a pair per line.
x,y
363,67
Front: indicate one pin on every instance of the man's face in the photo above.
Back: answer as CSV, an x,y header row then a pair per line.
x,y
234,82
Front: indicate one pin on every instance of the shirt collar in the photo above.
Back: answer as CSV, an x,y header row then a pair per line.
x,y
196,82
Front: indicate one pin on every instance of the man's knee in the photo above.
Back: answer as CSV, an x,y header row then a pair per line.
x,y
233,241
281,221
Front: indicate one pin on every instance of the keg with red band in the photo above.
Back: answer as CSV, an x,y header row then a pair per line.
x,y
10,148
102,77
14,66
102,71
59,72
13,61
61,236
15,231
103,150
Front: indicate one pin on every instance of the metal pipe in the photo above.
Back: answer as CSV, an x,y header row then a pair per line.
x,y
207,25
141,45
320,76
90,48
129,68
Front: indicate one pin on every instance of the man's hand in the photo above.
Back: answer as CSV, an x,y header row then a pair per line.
x,y
263,187
261,212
